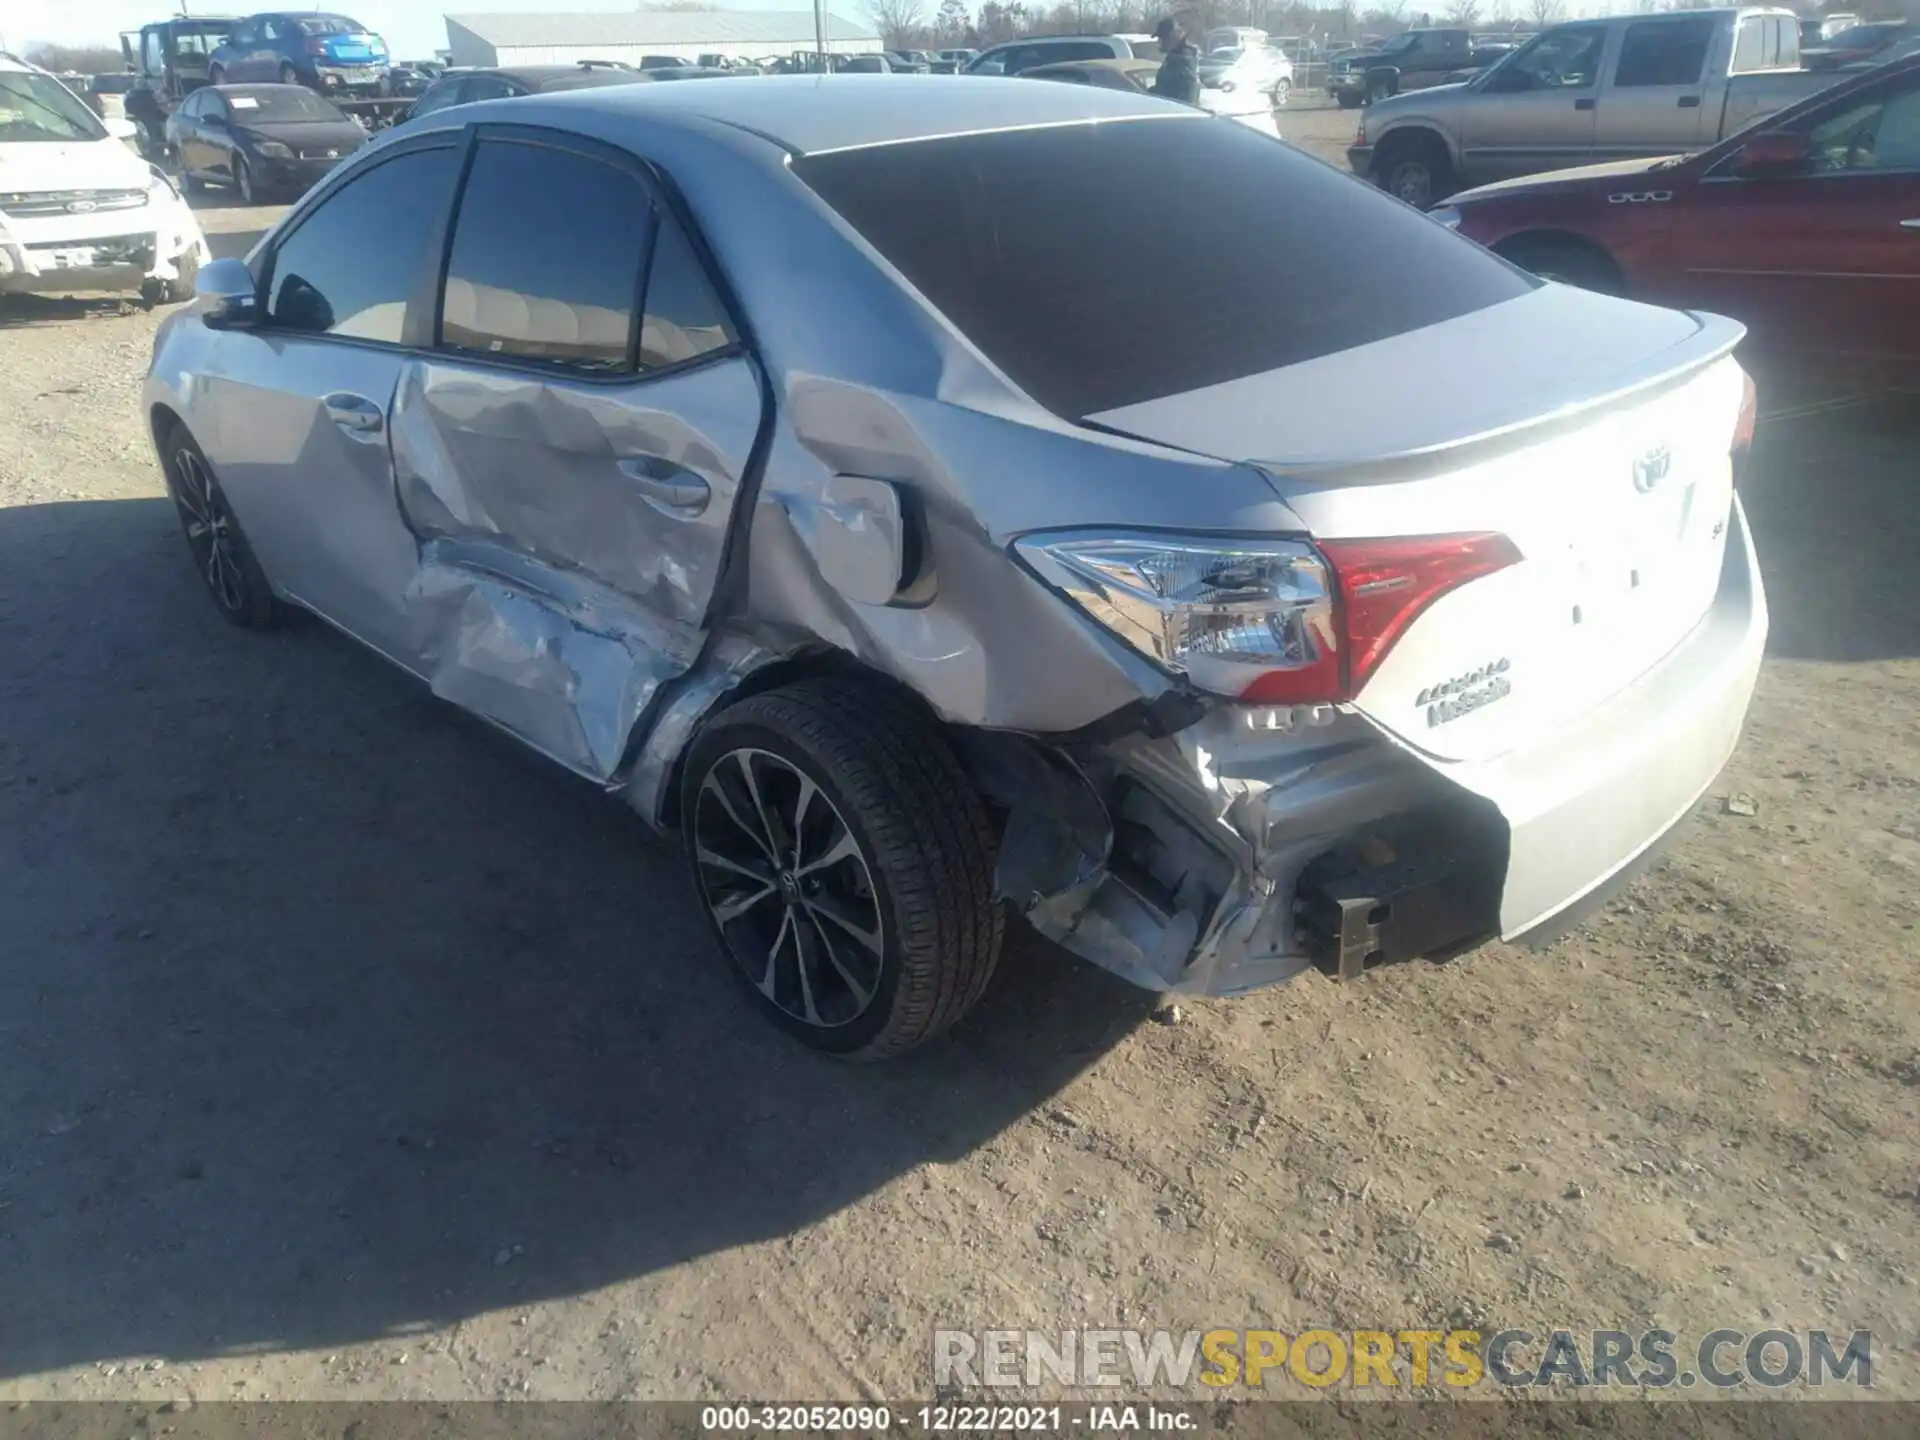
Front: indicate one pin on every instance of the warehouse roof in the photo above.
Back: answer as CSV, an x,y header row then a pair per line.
x,y
656,27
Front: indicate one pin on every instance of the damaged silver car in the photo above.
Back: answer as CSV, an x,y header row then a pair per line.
x,y
802,463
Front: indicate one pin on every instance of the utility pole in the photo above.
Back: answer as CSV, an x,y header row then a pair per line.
x,y
820,33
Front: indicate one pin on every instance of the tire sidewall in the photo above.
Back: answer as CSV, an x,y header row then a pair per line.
x,y
260,607
243,181
727,733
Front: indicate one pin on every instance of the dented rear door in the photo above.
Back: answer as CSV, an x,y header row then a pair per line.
x,y
570,456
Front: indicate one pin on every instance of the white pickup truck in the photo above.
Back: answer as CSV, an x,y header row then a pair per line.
x,y
1584,92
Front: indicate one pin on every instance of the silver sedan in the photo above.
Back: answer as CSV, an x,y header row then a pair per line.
x,y
939,498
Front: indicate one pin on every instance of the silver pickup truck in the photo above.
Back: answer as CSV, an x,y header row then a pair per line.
x,y
1585,92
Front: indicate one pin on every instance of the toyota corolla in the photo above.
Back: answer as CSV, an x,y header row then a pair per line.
x,y
775,455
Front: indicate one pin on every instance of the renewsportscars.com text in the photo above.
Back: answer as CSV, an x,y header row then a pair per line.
x,y
1215,1360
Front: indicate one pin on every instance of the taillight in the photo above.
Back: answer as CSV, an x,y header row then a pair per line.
x,y
1271,622
1743,428
1385,585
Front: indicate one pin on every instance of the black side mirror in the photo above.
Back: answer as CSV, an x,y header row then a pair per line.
x,y
1773,152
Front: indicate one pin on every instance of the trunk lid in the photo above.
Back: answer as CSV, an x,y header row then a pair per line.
x,y
1593,433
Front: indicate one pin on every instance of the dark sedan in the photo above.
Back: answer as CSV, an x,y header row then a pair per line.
x,y
260,139
464,87
1806,226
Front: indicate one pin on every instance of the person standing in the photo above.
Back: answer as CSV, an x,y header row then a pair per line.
x,y
1179,77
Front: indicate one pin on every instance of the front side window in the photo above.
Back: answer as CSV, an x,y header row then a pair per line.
x,y
1664,52
445,93
351,266
1564,59
546,258
1268,257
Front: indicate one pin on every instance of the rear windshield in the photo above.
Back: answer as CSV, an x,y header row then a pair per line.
x,y
1100,265
329,25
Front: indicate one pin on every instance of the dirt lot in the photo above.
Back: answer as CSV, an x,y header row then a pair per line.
x,y
346,1053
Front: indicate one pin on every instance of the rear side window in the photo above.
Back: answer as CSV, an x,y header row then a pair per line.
x,y
1749,46
1664,52
1104,265
546,258
351,266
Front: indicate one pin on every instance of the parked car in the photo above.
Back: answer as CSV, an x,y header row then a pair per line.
x,y
1857,44
1263,674
912,62
464,87
1259,68
106,95
1805,226
409,79
1590,90
1017,56
952,62
261,140
875,64
686,72
329,53
1249,107
79,210
1411,60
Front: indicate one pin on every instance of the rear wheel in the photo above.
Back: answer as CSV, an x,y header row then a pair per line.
x,y
220,551
1565,259
1415,169
846,863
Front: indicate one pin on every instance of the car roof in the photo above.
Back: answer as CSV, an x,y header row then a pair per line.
x,y
812,114
537,75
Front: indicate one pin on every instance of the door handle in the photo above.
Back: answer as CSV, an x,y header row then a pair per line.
x,y
668,488
1688,102
354,412
1583,104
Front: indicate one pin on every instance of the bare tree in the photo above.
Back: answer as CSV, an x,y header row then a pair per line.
x,y
953,22
897,20
85,59
1464,13
1546,12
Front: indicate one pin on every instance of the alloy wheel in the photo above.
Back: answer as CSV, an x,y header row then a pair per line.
x,y
210,530
789,887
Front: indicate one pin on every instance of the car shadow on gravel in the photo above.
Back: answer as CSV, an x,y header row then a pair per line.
x,y
326,1014
1833,494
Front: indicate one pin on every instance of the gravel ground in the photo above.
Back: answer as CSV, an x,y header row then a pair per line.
x,y
345,1052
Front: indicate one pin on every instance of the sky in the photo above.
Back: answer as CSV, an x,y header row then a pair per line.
x,y
413,29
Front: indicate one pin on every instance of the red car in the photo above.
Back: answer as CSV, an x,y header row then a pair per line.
x,y
1805,226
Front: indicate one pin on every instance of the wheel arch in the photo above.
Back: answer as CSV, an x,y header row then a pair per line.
x,y
1561,236
1414,130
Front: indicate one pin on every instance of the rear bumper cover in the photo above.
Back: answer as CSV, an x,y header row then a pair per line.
x,y
1225,898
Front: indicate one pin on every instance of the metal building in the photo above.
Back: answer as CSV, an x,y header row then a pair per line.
x,y
560,39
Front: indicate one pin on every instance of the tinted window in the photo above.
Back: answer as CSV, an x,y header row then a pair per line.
x,y
546,258
443,94
1880,133
1263,256
352,264
684,318
1667,52
1564,59
486,87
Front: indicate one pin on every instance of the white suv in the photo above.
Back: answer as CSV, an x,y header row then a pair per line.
x,y
79,210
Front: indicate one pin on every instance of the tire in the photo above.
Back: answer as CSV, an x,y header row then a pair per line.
x,y
233,577
1379,87
243,181
1282,92
870,954
179,290
1414,169
1566,260
190,183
